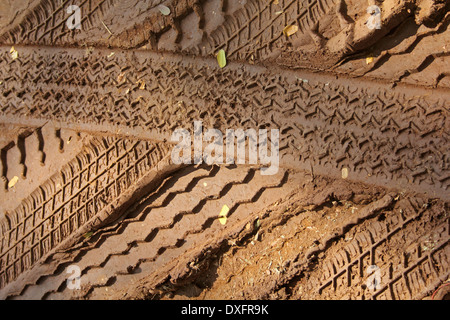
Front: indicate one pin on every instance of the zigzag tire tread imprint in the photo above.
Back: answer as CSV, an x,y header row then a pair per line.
x,y
89,192
326,123
257,28
181,215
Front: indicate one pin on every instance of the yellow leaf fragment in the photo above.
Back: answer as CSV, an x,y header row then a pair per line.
x,y
344,173
221,58
275,1
223,214
223,220
369,60
224,211
14,53
13,181
290,30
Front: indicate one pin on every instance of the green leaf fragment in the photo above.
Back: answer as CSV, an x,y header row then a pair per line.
x,y
88,234
164,10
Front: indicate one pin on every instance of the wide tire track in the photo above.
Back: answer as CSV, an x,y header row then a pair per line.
x,y
89,192
382,135
161,230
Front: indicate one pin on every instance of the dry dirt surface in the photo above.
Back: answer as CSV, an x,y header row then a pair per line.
x,y
358,90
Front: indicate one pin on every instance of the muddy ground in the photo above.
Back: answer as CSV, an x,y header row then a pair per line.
x,y
359,208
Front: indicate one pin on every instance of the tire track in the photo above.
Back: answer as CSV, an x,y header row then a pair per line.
x,y
45,23
107,23
257,29
426,47
90,191
171,187
412,261
196,239
252,31
108,250
381,134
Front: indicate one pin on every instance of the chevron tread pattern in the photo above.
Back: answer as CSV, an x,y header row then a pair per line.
x,y
380,134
